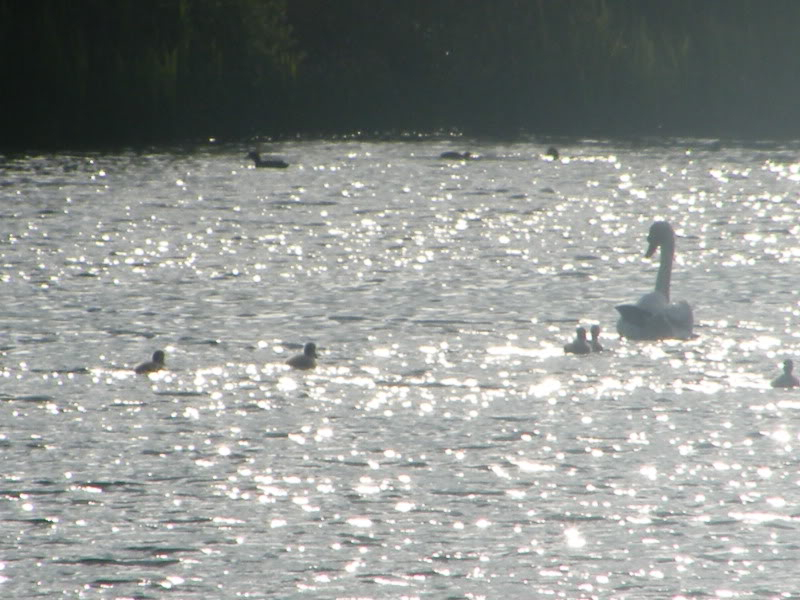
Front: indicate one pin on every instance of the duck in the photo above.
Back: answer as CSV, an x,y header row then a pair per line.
x,y
595,341
786,379
552,153
306,360
453,155
653,317
579,345
269,163
156,364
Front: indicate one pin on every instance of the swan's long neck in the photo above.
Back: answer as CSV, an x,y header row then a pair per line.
x,y
665,268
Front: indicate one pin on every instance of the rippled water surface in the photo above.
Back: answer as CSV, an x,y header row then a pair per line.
x,y
445,447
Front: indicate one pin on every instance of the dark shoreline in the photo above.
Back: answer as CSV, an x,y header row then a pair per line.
x,y
154,72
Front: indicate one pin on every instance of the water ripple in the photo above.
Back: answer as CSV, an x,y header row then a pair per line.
x,y
444,442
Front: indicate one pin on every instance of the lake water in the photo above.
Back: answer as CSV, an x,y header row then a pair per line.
x,y
445,447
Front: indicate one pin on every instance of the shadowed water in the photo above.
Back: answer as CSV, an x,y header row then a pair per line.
x,y
445,447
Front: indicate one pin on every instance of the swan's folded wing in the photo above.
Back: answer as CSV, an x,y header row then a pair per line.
x,y
646,308
681,318
634,314
653,302
639,324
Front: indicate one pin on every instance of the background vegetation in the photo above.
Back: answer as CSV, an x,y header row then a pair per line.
x,y
142,71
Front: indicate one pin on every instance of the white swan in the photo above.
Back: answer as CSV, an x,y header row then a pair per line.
x,y
579,345
786,380
653,317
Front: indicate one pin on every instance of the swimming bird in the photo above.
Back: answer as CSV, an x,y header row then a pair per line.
x,y
595,343
452,155
579,345
270,163
306,360
653,317
786,379
151,366
552,152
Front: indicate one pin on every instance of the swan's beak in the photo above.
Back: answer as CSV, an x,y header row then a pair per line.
x,y
651,249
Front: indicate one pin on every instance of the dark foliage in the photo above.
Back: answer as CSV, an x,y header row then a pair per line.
x,y
110,71
128,71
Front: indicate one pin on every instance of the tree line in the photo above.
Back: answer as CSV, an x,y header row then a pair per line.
x,y
145,71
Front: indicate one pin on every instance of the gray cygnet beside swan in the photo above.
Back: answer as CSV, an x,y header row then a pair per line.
x,y
653,317
579,345
595,341
786,379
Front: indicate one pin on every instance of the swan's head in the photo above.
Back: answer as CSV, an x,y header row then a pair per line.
x,y
158,357
595,329
581,333
310,349
788,365
660,233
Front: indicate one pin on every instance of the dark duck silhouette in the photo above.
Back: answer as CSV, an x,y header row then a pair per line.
x,y
153,365
552,152
786,380
306,360
453,155
268,163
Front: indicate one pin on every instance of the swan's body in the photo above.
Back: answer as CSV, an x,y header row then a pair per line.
x,y
786,379
153,365
579,345
653,317
267,163
595,341
306,360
